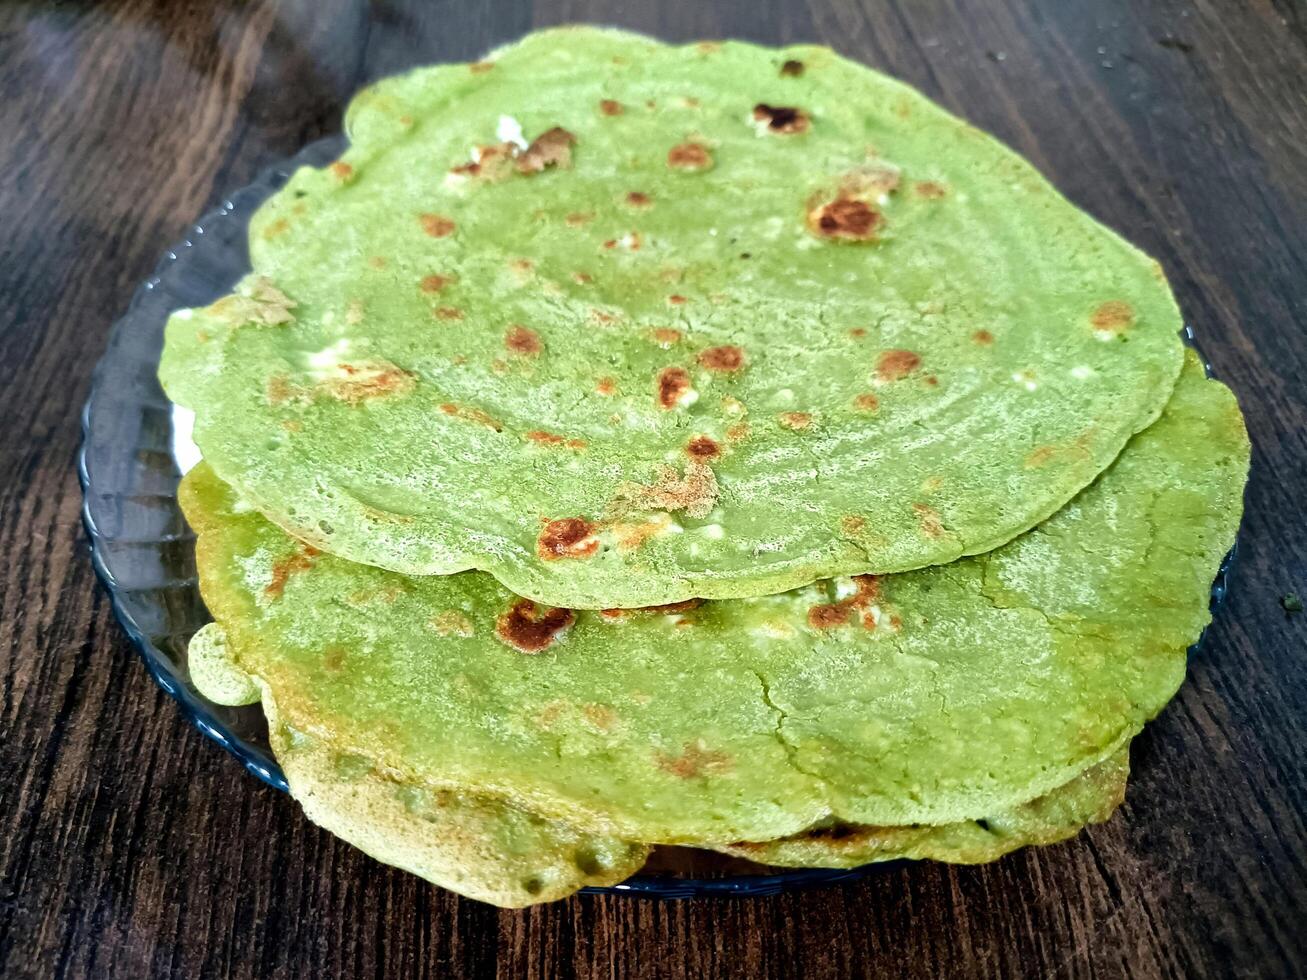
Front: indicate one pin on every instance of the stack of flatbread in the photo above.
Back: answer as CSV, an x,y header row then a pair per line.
x,y
626,445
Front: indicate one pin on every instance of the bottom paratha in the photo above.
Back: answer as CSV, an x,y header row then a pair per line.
x,y
935,698
495,851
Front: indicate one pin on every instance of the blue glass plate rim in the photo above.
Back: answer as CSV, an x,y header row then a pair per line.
x,y
200,712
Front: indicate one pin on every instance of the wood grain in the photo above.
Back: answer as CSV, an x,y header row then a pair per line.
x,y
132,847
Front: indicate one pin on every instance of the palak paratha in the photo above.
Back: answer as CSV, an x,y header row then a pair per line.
x,y
625,324
491,849
926,697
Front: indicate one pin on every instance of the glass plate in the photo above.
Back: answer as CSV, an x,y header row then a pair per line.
x,y
143,550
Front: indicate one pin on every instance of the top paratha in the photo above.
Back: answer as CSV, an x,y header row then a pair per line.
x,y
733,320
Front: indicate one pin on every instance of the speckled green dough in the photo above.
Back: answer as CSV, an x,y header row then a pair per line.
x,y
485,848
493,850
1090,798
983,684
430,366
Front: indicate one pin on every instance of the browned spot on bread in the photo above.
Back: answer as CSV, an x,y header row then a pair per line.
x,y
472,415
931,380
522,340
522,268
435,283
638,199
377,261
299,560
361,382
552,148
480,67
448,313
436,225
342,171
828,616
929,520
611,107
451,622
631,536
853,524
333,659
1115,315
1040,456
292,425
382,594
931,190
672,384
722,359
578,219
737,432
857,333
850,213
531,628
280,390
791,68
548,716
601,716
795,420
665,336
553,439
689,156
582,278
845,218
893,365
694,761
606,387
781,119
278,227
493,163
694,492
983,337
868,591
703,447
567,537
866,402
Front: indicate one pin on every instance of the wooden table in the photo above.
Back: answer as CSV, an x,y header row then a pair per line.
x,y
130,846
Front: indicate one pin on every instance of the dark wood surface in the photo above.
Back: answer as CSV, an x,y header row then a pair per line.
x,y
131,847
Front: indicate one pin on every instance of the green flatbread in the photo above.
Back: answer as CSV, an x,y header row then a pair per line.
x,y
735,320
481,847
491,849
1091,797
928,697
